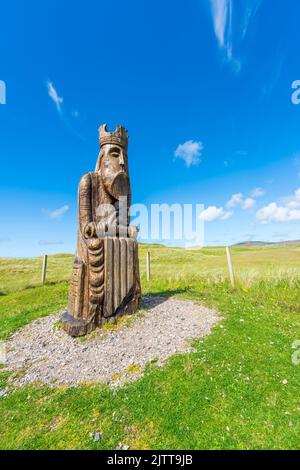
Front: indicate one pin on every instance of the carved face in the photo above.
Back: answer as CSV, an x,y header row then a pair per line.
x,y
114,169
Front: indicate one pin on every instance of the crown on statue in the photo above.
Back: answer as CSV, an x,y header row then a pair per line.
x,y
119,136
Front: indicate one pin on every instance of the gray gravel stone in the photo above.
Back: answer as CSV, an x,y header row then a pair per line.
x,y
48,355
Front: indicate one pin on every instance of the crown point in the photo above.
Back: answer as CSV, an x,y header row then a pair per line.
x,y
119,136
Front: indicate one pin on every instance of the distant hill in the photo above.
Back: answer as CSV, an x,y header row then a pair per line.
x,y
260,243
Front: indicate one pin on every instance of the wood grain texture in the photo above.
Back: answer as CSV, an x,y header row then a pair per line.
x,y
105,282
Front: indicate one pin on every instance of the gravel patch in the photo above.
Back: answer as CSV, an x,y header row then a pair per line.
x,y
43,352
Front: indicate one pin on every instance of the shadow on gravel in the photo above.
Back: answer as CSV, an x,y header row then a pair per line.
x,y
157,298
151,301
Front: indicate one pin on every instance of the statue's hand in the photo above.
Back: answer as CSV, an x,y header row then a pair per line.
x,y
90,230
101,229
133,231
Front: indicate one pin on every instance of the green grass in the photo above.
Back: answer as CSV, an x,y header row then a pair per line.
x,y
20,274
229,394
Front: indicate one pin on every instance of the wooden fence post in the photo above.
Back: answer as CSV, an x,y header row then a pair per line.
x,y
45,258
230,267
148,266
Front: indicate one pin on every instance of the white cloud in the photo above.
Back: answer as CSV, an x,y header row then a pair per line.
x,y
213,213
257,192
190,152
58,213
227,215
293,202
58,100
239,200
235,200
275,213
289,212
247,203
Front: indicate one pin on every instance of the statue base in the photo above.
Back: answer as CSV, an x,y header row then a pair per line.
x,y
114,271
76,328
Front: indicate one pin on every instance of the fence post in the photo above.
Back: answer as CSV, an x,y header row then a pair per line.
x,y
230,267
148,266
45,257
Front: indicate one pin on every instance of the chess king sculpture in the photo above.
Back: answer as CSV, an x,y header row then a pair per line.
x,y
105,281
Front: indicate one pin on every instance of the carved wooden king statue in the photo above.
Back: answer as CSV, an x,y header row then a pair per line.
x,y
105,281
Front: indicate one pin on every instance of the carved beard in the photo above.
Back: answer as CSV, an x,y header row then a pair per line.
x,y
116,184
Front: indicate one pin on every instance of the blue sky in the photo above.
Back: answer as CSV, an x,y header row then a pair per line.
x,y
204,88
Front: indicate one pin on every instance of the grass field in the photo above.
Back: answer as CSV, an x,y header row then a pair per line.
x,y
239,390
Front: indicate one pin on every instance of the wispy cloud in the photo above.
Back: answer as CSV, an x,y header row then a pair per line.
x,y
58,100
4,239
222,20
231,26
241,153
57,213
250,9
75,114
64,116
281,235
190,152
49,242
257,192
275,72
213,213
235,200
238,199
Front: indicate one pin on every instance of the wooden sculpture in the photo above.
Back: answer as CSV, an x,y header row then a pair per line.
x,y
105,281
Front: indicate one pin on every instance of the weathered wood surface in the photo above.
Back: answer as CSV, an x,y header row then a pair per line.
x,y
120,272
105,282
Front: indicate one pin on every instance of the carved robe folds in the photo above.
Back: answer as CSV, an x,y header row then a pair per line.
x,y
105,282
